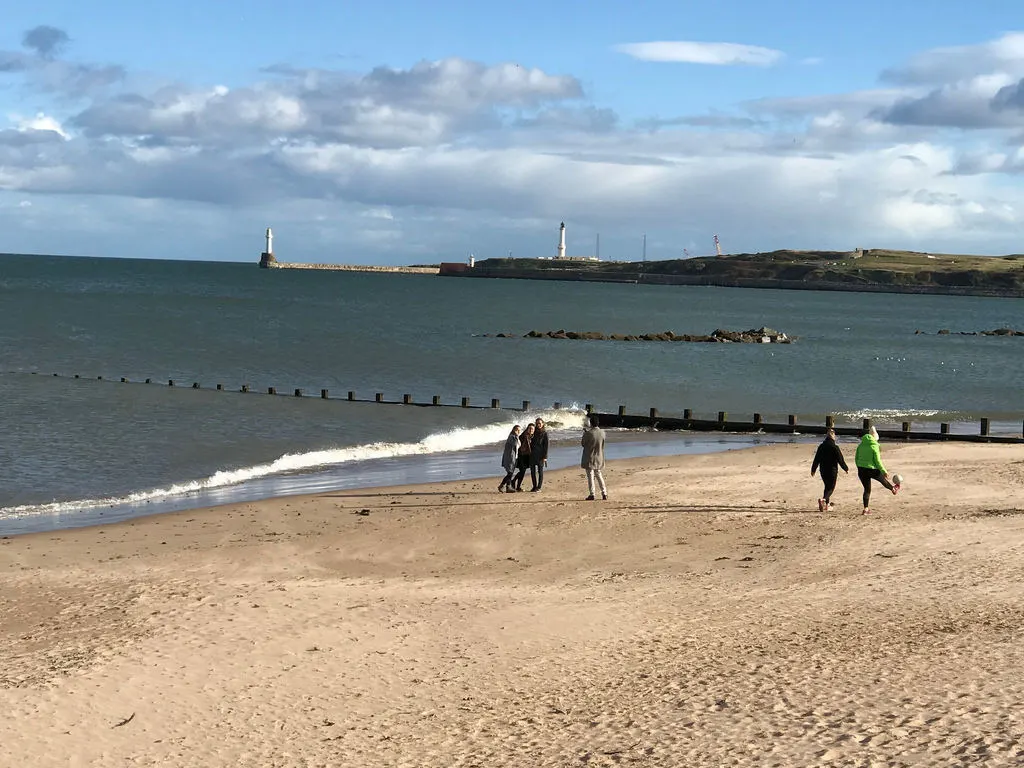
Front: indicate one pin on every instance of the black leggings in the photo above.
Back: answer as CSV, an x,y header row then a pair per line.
x,y
866,475
518,481
828,479
508,479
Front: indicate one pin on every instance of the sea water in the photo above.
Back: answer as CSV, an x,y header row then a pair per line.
x,y
76,447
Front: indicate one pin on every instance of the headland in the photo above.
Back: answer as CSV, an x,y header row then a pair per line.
x,y
874,270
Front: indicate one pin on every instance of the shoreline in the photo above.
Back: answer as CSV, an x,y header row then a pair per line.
x,y
644,278
706,614
478,463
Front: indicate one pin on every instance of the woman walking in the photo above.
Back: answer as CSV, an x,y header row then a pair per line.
x,y
828,458
523,462
869,466
509,459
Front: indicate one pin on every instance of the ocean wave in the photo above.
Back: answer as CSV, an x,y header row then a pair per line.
x,y
449,441
888,413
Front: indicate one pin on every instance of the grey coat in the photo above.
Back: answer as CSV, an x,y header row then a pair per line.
x,y
593,448
511,452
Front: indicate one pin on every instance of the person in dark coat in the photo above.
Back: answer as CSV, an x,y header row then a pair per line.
x,y
523,462
538,454
509,459
828,458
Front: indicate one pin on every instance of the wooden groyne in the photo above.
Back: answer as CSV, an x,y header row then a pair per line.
x,y
653,420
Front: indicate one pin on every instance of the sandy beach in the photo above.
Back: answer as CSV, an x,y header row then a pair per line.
x,y
705,615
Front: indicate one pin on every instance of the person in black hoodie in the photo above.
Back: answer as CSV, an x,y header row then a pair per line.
x,y
828,458
538,454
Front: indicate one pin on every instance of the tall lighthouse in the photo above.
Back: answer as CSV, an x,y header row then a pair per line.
x,y
270,240
561,241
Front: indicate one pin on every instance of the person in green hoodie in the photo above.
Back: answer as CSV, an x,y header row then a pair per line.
x,y
869,466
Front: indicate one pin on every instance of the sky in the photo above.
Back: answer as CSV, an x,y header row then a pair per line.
x,y
401,132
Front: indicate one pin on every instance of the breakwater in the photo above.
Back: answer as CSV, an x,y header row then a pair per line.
x,y
653,419
353,268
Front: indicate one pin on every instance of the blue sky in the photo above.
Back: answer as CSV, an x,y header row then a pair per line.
x,y
400,132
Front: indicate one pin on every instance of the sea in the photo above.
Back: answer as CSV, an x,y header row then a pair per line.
x,y
80,446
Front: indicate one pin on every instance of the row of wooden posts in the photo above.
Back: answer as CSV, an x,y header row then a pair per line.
x,y
687,422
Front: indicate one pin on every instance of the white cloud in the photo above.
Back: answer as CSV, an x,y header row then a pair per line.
x,y
451,156
702,53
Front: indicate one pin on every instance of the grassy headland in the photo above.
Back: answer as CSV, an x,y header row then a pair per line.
x,y
867,270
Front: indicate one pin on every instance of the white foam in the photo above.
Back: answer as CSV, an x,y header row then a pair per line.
x,y
449,441
887,413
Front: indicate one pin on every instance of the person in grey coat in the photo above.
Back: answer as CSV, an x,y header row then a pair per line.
x,y
593,457
509,457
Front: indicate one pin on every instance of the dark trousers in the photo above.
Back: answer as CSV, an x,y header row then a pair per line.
x,y
828,479
866,475
537,474
517,483
508,479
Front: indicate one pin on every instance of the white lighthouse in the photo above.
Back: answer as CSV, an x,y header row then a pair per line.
x,y
270,241
561,241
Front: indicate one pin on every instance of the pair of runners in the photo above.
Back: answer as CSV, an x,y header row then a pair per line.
x,y
868,458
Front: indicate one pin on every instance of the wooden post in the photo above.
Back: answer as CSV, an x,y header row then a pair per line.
x,y
558,406
406,399
124,380
195,385
351,395
298,393
437,400
379,397
465,402
220,387
170,382
622,410
245,387
721,417
526,405
757,419
99,378
495,403
271,390
687,413
984,426
830,421
589,409
792,420
943,428
906,427
323,394
77,376
654,413
866,425
148,381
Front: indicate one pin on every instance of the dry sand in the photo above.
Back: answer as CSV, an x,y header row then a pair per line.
x,y
706,615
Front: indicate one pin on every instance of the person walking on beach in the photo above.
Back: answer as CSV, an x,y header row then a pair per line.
x,y
509,459
538,454
828,458
869,466
523,461
593,457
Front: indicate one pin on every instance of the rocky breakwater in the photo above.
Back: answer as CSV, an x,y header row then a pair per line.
x,y
993,332
753,336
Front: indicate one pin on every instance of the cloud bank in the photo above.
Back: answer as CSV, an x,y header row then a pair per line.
x,y
451,156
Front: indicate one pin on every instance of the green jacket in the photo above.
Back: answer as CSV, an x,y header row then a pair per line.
x,y
868,455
